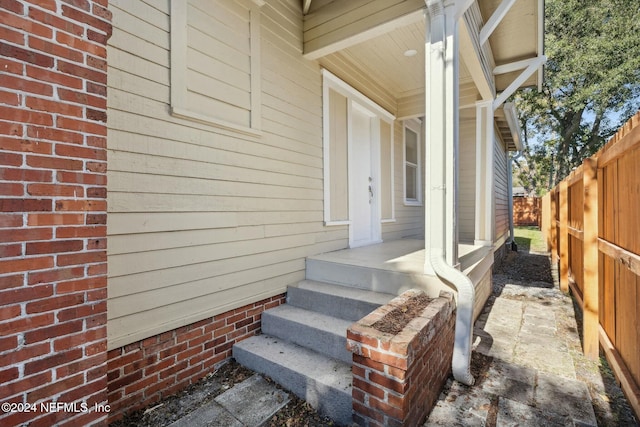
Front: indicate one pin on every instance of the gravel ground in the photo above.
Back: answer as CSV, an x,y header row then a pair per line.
x,y
529,270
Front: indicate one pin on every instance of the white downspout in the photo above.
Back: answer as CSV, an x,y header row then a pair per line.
x,y
510,192
441,124
512,120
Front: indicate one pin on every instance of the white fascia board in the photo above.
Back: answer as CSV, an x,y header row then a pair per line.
x,y
540,40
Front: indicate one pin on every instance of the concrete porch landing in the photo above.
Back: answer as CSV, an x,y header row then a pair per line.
x,y
392,267
403,255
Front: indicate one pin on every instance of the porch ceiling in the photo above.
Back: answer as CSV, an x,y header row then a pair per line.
x,y
377,53
383,59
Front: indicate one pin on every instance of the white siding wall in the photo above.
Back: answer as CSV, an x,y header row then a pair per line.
x,y
203,220
500,187
467,180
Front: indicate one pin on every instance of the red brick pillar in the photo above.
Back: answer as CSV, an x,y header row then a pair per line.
x,y
397,377
53,161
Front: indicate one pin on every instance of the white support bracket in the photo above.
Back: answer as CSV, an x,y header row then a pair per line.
x,y
496,18
513,66
534,64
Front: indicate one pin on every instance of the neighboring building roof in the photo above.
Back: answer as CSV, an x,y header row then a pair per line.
x,y
519,192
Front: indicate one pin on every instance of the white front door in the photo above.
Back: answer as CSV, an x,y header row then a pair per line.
x,y
363,200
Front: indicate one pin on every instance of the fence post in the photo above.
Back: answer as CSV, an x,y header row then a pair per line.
x,y
590,252
553,232
564,236
538,204
545,215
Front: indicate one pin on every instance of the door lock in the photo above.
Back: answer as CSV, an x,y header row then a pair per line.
x,y
370,190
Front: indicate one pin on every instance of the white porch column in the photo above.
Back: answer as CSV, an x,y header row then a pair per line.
x,y
441,124
484,173
441,215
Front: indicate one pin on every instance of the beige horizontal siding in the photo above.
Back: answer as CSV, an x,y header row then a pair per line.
x,y
202,220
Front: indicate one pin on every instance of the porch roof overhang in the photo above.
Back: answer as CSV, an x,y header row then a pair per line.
x,y
501,47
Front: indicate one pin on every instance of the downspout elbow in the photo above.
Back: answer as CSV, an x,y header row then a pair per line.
x,y
461,360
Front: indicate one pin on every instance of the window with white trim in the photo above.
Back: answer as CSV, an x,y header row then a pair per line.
x,y
412,163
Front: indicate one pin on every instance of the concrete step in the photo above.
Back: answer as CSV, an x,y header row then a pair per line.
x,y
315,331
323,382
335,300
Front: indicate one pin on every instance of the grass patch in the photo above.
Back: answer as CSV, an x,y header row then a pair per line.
x,y
529,239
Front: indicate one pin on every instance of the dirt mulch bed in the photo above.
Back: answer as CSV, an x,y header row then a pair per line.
x,y
395,321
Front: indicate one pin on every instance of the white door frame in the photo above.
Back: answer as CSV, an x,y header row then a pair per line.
x,y
376,113
374,166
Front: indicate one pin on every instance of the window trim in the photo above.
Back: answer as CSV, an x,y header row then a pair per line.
x,y
178,71
415,126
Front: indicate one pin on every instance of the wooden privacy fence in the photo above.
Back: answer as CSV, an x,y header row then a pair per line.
x,y
527,211
591,222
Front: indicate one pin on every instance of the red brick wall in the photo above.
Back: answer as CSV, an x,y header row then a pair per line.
x,y
144,372
53,207
397,378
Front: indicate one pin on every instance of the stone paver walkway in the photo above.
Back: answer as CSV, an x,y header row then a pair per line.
x,y
524,371
248,404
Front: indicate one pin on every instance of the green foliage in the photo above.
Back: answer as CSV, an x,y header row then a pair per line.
x,y
591,87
